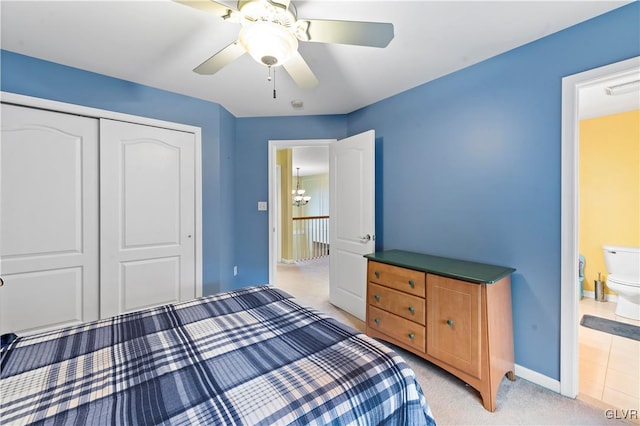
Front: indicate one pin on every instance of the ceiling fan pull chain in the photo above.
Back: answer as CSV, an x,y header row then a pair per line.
x,y
274,83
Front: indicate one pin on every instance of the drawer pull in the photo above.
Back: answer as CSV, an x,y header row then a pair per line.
x,y
411,283
377,297
377,320
411,336
450,323
411,309
377,274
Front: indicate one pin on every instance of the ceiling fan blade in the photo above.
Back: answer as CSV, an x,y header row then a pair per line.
x,y
210,6
300,72
221,59
374,34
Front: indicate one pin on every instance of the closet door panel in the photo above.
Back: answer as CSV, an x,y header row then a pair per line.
x,y
151,194
47,164
42,299
48,219
147,185
164,273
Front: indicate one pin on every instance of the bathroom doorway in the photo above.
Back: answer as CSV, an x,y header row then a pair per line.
x,y
582,352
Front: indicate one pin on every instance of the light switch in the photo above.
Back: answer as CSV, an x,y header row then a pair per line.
x,y
262,206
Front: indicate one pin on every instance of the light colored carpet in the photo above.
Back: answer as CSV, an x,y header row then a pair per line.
x,y
451,400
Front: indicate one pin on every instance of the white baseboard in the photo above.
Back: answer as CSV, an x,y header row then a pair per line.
x,y
287,261
592,295
537,378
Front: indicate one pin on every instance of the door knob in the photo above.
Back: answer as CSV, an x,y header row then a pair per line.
x,y
1,282
365,239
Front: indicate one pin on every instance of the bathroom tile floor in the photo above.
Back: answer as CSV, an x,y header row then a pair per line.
x,y
609,366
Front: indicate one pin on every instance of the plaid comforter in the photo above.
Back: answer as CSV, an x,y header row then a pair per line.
x,y
253,356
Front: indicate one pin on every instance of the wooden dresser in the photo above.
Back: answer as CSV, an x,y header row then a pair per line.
x,y
455,314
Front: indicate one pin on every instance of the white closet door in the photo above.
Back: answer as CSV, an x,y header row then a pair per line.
x,y
48,219
147,186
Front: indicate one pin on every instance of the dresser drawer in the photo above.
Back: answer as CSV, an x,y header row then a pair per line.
x,y
405,331
402,279
397,302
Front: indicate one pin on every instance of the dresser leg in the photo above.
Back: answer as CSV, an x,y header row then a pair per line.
x,y
511,376
488,401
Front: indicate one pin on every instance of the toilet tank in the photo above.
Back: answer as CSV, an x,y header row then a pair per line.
x,y
622,261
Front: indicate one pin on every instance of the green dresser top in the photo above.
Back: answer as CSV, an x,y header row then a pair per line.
x,y
447,267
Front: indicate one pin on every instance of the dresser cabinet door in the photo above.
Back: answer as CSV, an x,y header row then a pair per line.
x,y
454,314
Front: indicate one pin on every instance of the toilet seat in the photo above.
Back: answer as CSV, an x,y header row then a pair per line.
x,y
622,280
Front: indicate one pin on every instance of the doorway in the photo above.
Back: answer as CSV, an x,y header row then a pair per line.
x,y
573,87
286,268
351,221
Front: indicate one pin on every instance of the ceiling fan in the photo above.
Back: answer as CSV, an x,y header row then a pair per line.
x,y
271,30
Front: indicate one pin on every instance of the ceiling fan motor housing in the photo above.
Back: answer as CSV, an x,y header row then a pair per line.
x,y
279,12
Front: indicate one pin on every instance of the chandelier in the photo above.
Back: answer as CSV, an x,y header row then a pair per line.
x,y
299,199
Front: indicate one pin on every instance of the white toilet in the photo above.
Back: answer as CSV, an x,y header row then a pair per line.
x,y
623,265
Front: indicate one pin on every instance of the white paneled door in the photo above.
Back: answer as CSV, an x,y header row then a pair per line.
x,y
352,223
48,219
147,217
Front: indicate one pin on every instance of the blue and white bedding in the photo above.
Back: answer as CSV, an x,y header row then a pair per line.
x,y
252,356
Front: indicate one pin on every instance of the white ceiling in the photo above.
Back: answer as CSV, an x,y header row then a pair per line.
x,y
159,42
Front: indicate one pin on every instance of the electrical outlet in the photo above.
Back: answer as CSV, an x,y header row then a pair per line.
x,y
235,271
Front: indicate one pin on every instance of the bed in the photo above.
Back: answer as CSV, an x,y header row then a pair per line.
x,y
251,356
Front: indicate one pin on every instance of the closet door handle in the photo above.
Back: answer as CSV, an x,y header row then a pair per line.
x,y
1,282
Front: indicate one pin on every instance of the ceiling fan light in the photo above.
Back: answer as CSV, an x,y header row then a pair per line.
x,y
268,43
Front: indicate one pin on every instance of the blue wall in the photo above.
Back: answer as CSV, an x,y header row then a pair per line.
x,y
467,166
42,79
471,167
